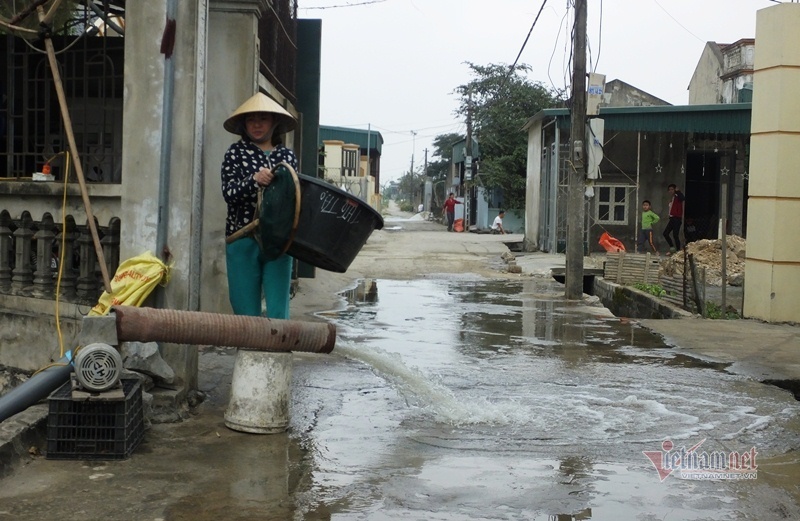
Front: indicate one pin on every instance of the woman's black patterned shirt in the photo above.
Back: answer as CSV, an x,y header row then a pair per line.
x,y
240,191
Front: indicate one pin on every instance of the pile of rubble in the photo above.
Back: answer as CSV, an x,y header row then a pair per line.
x,y
708,254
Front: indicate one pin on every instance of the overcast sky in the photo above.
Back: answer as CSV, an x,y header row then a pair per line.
x,y
393,65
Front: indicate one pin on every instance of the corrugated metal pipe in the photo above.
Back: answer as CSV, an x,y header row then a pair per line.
x,y
199,328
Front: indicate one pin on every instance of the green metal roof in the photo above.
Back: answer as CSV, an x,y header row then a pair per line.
x,y
731,118
352,135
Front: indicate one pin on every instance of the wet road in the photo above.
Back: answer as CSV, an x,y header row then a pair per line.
x,y
457,399
473,399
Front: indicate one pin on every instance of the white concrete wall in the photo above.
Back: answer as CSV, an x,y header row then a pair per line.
x,y
533,185
233,55
144,135
705,85
333,159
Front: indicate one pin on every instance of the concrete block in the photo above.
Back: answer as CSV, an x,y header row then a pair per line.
x,y
101,329
144,357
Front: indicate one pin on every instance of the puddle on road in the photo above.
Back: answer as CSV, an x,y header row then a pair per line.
x,y
476,395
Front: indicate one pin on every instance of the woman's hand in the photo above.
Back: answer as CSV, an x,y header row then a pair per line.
x,y
264,176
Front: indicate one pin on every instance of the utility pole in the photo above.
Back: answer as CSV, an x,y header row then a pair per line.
x,y
577,165
467,162
426,205
369,136
413,146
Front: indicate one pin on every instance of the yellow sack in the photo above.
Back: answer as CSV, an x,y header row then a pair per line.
x,y
134,280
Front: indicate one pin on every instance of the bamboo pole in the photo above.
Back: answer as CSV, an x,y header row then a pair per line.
x,y
62,101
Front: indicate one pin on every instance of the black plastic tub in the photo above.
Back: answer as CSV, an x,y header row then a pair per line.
x,y
333,225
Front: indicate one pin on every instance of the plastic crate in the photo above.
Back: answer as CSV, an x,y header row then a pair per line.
x,y
95,429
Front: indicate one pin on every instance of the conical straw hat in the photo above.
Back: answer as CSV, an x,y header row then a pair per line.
x,y
259,103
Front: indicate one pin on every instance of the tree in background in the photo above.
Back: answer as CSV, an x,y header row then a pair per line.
x,y
410,188
439,166
500,103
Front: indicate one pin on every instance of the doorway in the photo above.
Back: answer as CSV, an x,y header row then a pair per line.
x,y
701,211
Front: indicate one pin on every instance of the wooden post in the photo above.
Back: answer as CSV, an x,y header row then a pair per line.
x,y
701,307
62,101
724,238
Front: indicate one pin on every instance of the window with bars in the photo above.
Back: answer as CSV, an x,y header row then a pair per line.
x,y
350,162
32,131
611,205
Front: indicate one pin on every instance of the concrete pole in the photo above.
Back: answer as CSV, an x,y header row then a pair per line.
x,y
772,270
468,162
577,171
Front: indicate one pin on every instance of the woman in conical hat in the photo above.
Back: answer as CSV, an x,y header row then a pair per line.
x,y
248,166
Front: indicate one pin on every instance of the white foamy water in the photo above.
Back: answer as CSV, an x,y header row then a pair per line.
x,y
428,394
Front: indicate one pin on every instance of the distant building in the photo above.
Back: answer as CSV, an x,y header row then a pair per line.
x,y
724,74
350,158
620,94
646,144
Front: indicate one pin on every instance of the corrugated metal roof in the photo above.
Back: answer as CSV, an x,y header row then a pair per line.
x,y
732,118
352,135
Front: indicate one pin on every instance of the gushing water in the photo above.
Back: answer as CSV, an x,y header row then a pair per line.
x,y
428,393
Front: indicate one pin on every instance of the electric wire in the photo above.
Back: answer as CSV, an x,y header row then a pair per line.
x,y
568,63
555,47
285,32
678,22
356,4
516,60
43,51
61,253
599,37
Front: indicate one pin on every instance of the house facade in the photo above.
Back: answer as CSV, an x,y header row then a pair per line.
x,y
351,159
618,93
644,149
148,110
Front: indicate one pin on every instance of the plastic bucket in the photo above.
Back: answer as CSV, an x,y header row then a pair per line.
x,y
260,392
333,225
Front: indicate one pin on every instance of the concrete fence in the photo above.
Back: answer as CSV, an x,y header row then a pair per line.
x,y
31,253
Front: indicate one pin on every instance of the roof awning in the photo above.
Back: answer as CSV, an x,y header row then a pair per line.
x,y
355,136
732,118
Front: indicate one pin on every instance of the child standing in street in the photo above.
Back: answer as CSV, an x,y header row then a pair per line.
x,y
649,218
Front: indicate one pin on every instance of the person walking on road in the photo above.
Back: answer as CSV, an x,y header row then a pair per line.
x,y
675,218
649,218
497,225
449,208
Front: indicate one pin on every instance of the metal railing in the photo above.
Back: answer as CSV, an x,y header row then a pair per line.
x,y
277,31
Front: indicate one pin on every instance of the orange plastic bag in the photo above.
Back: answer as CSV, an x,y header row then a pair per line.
x,y
458,225
610,243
